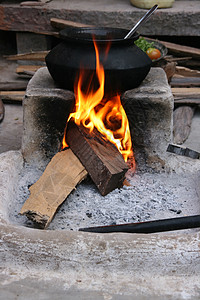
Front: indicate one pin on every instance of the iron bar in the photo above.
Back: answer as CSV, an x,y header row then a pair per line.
x,y
149,226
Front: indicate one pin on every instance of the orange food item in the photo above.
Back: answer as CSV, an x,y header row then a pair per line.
x,y
153,53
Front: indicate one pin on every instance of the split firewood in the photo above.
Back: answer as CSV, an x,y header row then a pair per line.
x,y
185,81
171,58
184,93
61,24
59,179
187,101
100,157
10,96
182,119
27,69
13,86
182,71
181,50
39,56
193,63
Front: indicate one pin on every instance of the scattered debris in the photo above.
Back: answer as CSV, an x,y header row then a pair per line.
x,y
183,151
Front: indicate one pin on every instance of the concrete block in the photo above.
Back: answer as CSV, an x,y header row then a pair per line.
x,y
46,109
149,109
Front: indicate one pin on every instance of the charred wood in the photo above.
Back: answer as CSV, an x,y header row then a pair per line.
x,y
100,157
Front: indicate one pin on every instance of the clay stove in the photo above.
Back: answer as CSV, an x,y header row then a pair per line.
x,y
46,109
110,259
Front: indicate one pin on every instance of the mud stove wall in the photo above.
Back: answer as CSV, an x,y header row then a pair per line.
x,y
149,109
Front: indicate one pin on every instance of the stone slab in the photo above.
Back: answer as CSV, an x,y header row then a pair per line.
x,y
180,20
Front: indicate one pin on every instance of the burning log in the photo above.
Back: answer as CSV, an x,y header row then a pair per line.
x,y
149,226
100,157
60,177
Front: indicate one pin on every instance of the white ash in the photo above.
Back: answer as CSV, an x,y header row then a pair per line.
x,y
149,197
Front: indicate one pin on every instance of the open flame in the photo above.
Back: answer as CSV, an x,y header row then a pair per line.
x,y
92,109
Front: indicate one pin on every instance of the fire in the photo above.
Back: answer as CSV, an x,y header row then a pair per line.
x,y
92,110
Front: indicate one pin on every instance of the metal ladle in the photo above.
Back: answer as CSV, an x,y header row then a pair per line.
x,y
141,21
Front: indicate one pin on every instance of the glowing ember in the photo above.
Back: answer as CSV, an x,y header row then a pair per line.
x,y
107,115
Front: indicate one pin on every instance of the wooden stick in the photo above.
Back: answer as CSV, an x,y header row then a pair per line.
x,y
59,179
187,72
39,56
171,58
23,69
101,158
8,96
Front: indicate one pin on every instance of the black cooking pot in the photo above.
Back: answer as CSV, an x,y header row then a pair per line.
x,y
125,65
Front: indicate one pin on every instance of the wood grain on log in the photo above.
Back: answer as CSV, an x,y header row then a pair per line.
x,y
182,123
101,158
60,177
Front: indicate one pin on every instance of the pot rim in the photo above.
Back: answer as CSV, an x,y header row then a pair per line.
x,y
102,35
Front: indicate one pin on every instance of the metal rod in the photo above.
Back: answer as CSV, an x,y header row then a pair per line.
x,y
141,21
149,226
